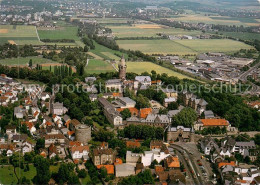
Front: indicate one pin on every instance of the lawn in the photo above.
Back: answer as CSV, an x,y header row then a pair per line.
x,y
148,30
54,169
183,47
98,66
24,61
155,47
19,34
86,180
7,175
213,45
140,67
29,174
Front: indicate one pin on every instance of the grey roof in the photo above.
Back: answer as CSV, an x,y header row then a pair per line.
x,y
113,81
90,79
133,119
172,113
174,129
58,105
20,137
125,167
66,117
246,144
143,78
126,100
209,114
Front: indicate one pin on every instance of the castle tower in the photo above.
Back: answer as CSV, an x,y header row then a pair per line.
x,y
122,68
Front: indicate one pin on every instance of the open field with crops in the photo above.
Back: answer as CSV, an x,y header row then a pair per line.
x,y
148,30
214,45
140,67
19,34
63,31
102,52
182,47
241,35
98,66
216,19
22,61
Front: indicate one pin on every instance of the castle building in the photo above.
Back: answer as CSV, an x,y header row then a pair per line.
x,y
122,68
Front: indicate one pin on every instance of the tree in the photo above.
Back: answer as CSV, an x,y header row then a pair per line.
x,y
125,113
40,143
173,106
82,173
42,170
142,102
103,172
153,163
186,117
30,63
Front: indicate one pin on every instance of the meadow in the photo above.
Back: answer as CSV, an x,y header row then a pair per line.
x,y
148,30
19,34
22,61
216,19
140,67
101,52
214,45
64,31
98,66
241,35
183,47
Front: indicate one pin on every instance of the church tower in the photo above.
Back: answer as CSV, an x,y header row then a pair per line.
x,y
122,68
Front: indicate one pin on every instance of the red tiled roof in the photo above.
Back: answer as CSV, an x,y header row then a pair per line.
x,y
118,161
75,143
79,148
232,163
144,112
133,110
70,133
110,168
133,144
214,122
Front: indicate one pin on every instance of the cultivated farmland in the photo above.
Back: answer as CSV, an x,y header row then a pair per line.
x,y
148,30
23,61
183,47
19,34
140,67
98,66
214,45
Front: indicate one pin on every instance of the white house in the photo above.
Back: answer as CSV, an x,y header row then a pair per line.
x,y
77,152
26,147
149,156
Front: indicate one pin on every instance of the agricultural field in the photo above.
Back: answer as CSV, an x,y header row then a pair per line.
x,y
183,47
155,47
64,31
213,45
240,35
98,66
215,19
140,67
148,30
101,52
19,34
23,61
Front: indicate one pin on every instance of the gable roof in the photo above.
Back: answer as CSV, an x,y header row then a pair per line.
x,y
80,149
144,112
214,122
231,163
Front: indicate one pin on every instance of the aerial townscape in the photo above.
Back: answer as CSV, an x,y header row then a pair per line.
x,y
130,92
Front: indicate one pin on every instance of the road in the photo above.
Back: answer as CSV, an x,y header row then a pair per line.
x,y
243,77
191,155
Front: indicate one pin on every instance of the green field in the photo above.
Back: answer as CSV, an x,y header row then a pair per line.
x,y
214,45
240,35
105,53
98,66
64,31
140,67
7,175
24,61
19,34
143,30
155,47
182,47
29,174
197,17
